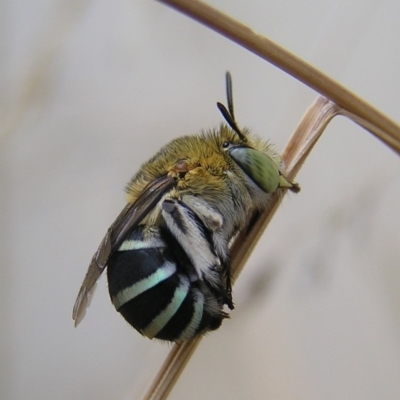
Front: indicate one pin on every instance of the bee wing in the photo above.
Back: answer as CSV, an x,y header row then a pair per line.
x,y
127,220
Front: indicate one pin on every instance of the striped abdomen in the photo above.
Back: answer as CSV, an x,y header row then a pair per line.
x,y
152,285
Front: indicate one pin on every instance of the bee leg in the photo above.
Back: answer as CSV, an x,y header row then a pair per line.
x,y
193,237
210,217
213,221
228,285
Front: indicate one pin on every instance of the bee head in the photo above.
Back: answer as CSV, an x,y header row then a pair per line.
x,y
262,167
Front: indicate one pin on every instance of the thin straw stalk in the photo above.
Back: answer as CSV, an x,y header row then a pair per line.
x,y
357,109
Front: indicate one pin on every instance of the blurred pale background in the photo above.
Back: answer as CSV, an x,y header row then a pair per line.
x,y
89,91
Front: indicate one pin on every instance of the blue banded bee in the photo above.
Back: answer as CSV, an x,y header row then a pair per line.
x,y
167,253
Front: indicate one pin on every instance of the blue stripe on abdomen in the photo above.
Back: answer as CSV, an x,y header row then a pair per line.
x,y
161,274
165,315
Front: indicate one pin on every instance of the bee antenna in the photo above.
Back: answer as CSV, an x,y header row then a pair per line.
x,y
229,115
229,93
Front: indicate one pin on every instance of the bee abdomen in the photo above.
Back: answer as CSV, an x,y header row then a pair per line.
x,y
151,290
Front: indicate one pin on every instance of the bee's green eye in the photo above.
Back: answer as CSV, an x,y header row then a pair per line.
x,y
260,168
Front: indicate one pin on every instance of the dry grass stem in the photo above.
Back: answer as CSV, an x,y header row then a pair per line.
x,y
303,140
171,370
357,109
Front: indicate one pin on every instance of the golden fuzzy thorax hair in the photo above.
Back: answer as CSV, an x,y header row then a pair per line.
x,y
206,161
